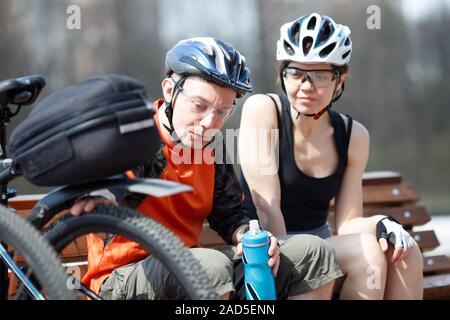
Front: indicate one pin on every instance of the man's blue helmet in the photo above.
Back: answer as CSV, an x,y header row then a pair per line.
x,y
212,59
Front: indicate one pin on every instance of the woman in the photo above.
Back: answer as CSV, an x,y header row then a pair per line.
x,y
322,155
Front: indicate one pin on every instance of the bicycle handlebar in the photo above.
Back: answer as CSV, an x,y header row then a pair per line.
x,y
8,171
21,91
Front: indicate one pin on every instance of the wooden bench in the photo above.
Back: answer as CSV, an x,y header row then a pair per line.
x,y
403,203
383,193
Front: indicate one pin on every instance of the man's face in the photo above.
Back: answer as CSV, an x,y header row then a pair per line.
x,y
200,110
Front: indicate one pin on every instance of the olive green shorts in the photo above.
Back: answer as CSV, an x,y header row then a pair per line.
x,y
306,263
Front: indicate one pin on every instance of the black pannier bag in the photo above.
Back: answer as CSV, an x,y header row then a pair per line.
x,y
100,127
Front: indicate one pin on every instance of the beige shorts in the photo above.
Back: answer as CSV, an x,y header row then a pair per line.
x,y
306,263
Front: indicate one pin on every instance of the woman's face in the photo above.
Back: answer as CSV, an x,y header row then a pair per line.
x,y
310,92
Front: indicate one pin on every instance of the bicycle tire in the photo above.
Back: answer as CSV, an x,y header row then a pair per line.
x,y
148,233
37,253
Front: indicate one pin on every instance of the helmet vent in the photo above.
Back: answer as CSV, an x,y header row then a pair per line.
x,y
307,44
212,55
324,34
346,54
287,47
311,23
295,33
326,51
226,49
347,42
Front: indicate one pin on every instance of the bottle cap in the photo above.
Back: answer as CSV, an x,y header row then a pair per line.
x,y
253,227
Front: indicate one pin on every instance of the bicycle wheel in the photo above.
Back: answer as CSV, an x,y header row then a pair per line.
x,y
34,253
149,234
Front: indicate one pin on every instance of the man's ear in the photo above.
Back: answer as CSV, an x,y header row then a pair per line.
x,y
167,88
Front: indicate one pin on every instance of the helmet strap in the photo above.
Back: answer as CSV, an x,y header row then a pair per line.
x,y
169,112
169,108
317,115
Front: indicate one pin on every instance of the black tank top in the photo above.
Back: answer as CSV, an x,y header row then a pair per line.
x,y
305,200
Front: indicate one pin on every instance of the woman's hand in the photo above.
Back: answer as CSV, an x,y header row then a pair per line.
x,y
390,231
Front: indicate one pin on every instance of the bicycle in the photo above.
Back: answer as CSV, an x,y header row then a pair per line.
x,y
116,220
18,235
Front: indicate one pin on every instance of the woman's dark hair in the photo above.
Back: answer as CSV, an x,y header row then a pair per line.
x,y
283,64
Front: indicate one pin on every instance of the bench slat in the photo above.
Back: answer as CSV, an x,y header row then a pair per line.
x,y
408,215
76,250
381,177
436,264
437,286
25,202
388,194
210,238
426,240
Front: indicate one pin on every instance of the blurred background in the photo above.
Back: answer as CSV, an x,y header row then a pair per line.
x,y
399,84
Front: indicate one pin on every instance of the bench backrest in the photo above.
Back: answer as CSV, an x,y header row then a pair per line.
x,y
383,193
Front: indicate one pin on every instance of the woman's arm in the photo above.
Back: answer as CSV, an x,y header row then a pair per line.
x,y
349,206
349,209
258,138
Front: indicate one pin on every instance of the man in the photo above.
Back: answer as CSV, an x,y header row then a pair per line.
x,y
204,77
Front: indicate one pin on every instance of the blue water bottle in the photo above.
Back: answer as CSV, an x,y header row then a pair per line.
x,y
258,277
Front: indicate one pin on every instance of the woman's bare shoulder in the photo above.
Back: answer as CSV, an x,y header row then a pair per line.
x,y
259,108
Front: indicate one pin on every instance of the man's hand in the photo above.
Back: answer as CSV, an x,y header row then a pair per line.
x,y
88,203
274,253
390,231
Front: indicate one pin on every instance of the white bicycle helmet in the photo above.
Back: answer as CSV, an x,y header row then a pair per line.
x,y
314,39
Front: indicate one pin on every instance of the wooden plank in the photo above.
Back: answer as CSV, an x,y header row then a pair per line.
x,y
388,195
23,213
381,177
373,182
12,289
436,264
409,215
25,202
426,240
437,287
209,238
75,250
